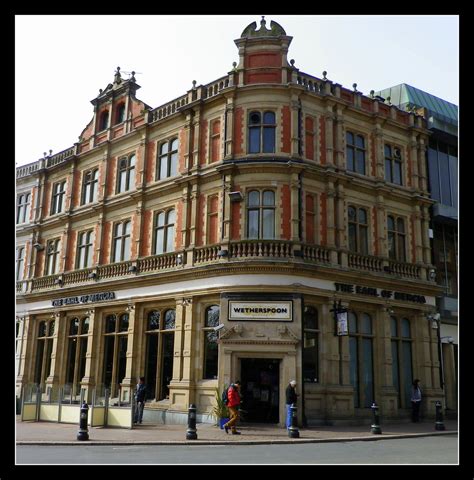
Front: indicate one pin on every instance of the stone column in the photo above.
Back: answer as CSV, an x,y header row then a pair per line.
x,y
341,239
229,128
52,380
94,351
295,218
417,233
196,137
379,152
295,133
413,146
329,135
187,379
422,165
329,368
26,363
130,379
339,147
425,219
227,208
381,226
386,394
188,134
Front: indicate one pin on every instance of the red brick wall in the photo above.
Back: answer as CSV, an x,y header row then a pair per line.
x,y
201,201
285,212
147,238
309,138
285,130
324,222
262,76
76,194
236,218
262,59
71,251
203,144
366,104
34,193
374,223
150,167
106,243
322,136
309,218
47,199
111,176
95,253
345,95
238,130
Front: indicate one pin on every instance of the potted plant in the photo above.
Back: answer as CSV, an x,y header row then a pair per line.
x,y
220,410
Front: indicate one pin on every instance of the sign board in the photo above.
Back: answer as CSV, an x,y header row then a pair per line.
x,y
378,292
342,323
267,311
81,299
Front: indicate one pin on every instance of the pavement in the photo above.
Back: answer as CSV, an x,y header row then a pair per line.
x,y
53,433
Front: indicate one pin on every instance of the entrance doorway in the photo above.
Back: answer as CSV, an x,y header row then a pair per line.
x,y
260,379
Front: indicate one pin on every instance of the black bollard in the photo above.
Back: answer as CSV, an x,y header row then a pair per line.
x,y
293,431
376,425
439,425
83,433
191,433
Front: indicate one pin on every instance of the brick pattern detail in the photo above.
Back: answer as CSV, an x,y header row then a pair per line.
x,y
201,201
324,221
366,104
71,250
111,177
322,136
238,130
147,238
285,212
286,129
150,167
47,199
236,211
106,247
203,146
76,194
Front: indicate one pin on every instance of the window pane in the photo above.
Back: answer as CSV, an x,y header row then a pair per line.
x,y
362,216
254,140
269,139
126,249
310,357
163,167
169,320
124,319
444,177
108,360
74,326
269,118
366,324
122,358
212,316
164,148
171,216
254,118
360,141
353,367
174,144
268,223
122,181
453,175
363,241
254,198
170,238
393,327
159,246
400,225
174,165
391,246
268,198
388,151
406,328
153,320
397,173
352,322
349,138
360,162
211,350
71,360
401,253
395,373
131,179
118,249
352,237
433,174
110,323
253,223
388,170
310,319
85,325
350,159
367,372
390,223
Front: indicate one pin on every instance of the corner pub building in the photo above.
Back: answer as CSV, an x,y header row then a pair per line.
x,y
261,202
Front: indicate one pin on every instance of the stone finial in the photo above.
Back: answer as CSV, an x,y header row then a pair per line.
x,y
372,93
44,154
292,62
262,21
354,86
388,100
117,77
133,79
194,84
324,75
234,64
50,152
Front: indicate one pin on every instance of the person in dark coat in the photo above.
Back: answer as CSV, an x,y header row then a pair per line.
x,y
140,397
291,397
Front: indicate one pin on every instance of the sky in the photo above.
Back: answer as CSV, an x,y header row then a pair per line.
x,y
61,61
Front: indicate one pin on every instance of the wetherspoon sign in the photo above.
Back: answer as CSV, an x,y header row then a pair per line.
x,y
270,311
80,299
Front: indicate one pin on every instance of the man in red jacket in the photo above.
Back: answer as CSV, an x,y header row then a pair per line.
x,y
233,394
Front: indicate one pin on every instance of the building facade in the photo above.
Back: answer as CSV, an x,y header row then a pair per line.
x,y
219,236
442,167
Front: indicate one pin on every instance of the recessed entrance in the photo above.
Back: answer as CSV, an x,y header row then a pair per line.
x,y
260,379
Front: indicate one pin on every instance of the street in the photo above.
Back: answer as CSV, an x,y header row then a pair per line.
x,y
426,450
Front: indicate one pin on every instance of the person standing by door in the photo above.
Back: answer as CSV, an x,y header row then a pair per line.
x,y
291,397
415,401
233,394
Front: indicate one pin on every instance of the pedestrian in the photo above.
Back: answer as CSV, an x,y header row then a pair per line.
x,y
291,397
415,401
233,404
140,397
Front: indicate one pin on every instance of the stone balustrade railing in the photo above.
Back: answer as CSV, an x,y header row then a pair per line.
x,y
316,254
160,262
408,270
206,254
167,109
262,248
365,262
310,83
213,88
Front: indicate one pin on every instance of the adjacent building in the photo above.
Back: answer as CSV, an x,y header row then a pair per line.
x,y
270,225
442,166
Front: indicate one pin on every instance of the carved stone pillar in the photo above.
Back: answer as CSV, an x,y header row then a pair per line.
x,y
295,219
229,128
130,379
57,355
329,119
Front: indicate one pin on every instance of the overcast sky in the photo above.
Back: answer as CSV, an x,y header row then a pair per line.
x,y
61,61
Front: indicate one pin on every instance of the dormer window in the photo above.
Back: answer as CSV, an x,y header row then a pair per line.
x,y
104,120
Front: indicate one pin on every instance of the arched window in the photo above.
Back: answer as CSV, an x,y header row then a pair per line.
x,y
84,249
126,173
44,349
120,113
393,165
310,345
104,120
159,356
261,137
358,230
396,238
89,186
164,231
261,214
402,372
121,241
211,347
76,356
361,367
167,165
212,213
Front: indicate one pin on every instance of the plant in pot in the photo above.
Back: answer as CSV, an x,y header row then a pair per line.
x,y
220,410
